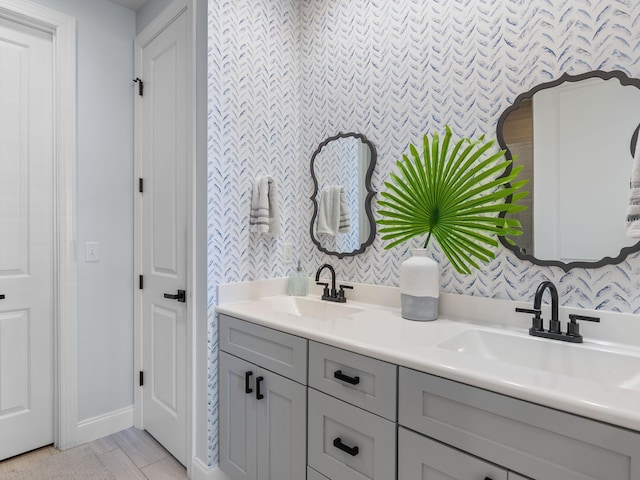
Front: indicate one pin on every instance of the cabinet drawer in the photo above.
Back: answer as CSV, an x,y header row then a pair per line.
x,y
363,381
347,443
276,351
421,457
536,441
313,475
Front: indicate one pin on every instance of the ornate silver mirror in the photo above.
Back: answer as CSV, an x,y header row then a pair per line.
x,y
341,168
573,136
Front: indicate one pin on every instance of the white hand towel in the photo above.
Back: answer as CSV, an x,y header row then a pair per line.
x,y
345,218
333,214
633,210
264,217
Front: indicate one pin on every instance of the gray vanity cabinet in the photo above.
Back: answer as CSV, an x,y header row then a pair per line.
x,y
520,436
263,414
294,409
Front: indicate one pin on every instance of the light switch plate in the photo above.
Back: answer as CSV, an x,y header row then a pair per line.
x,y
92,251
287,251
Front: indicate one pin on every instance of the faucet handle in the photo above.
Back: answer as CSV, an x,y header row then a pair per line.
x,y
536,320
341,291
325,292
573,328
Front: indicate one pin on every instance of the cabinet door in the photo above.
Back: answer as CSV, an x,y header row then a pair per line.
x,y
420,458
238,444
281,427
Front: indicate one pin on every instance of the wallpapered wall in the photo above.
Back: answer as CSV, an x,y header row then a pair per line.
x,y
285,74
254,129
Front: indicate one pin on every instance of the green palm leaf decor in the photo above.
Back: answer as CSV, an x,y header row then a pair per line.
x,y
455,195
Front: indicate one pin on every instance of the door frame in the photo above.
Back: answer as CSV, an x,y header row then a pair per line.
x,y
65,378
164,19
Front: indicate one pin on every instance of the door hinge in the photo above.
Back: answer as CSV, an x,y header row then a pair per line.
x,y
140,185
141,382
140,85
141,282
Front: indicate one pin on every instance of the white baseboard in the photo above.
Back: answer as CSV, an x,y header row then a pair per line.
x,y
104,425
200,471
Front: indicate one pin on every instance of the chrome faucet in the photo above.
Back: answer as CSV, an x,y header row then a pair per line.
x,y
554,332
332,295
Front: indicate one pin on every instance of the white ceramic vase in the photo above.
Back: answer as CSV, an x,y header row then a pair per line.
x,y
419,287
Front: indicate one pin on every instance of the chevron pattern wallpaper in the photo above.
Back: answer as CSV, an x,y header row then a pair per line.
x,y
254,129
286,74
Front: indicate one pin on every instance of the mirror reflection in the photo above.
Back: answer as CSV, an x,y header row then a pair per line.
x,y
341,169
573,137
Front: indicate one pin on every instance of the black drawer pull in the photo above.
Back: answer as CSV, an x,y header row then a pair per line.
x,y
353,451
181,296
259,395
247,388
1,296
346,378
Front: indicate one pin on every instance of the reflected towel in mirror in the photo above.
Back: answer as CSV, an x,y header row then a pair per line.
x,y
264,216
633,210
333,214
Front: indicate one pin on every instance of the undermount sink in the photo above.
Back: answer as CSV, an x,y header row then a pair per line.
x,y
618,369
311,308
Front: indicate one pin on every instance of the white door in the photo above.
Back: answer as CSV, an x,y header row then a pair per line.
x,y
164,155
26,239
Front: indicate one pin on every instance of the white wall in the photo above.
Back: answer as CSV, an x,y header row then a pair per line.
x,y
148,12
201,389
105,194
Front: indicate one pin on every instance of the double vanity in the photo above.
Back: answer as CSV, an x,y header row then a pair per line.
x,y
320,390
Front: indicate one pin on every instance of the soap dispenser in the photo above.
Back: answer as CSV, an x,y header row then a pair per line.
x,y
298,282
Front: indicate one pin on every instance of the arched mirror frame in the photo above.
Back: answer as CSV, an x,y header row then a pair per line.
x,y
368,199
624,80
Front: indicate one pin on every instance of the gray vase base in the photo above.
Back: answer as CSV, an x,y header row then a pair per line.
x,y
420,309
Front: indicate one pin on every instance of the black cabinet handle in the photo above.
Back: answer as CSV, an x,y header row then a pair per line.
x,y
259,395
247,388
181,296
353,451
1,296
346,378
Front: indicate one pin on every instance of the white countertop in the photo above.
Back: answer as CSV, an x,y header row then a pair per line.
x,y
379,331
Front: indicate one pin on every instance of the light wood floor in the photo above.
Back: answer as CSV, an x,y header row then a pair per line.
x,y
130,455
